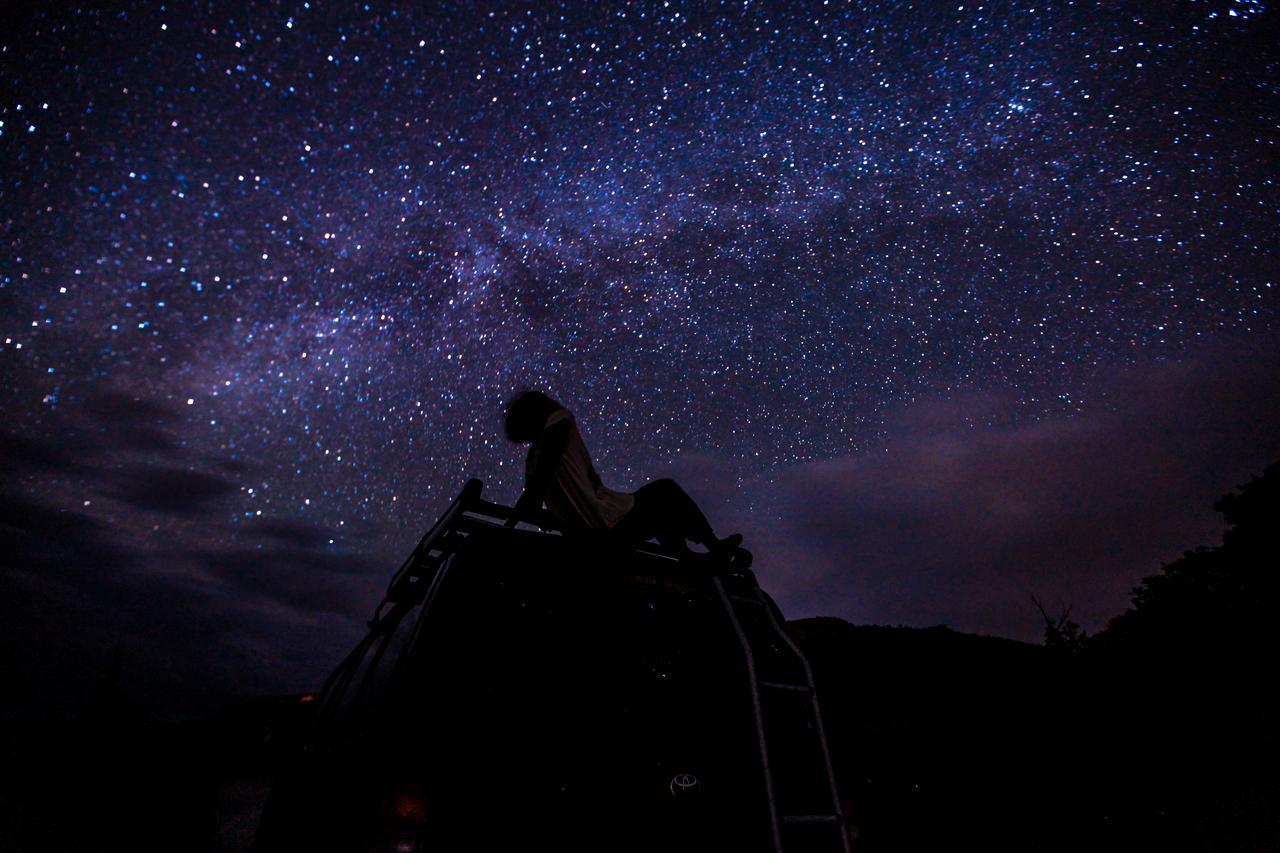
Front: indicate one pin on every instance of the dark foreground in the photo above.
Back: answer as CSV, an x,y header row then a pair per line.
x,y
1158,733
939,738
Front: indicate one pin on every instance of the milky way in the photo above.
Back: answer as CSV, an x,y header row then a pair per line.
x,y
329,240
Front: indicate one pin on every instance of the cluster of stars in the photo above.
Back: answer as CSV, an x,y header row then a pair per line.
x,y
337,239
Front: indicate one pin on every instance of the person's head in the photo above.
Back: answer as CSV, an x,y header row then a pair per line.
x,y
526,413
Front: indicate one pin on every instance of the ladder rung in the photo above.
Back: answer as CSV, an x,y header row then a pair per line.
x,y
742,599
778,685
811,818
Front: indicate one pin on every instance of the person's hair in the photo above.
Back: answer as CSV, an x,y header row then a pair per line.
x,y
526,414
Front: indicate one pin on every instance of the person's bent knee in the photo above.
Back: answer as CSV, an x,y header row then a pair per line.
x,y
667,489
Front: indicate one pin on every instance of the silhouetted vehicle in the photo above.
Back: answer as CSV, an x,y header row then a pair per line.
x,y
523,689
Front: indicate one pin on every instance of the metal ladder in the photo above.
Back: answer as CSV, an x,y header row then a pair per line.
x,y
782,690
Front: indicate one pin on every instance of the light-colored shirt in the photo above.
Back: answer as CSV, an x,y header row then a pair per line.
x,y
575,494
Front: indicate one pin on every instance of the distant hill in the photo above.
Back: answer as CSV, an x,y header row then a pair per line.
x,y
939,736
942,739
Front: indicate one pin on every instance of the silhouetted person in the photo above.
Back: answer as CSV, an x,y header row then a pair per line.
x,y
559,471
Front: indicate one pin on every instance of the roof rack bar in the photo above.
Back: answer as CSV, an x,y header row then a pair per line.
x,y
436,539
778,685
474,518
540,518
495,510
466,498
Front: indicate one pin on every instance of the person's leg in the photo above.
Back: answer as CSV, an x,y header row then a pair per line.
x,y
682,519
680,514
640,522
696,526
665,512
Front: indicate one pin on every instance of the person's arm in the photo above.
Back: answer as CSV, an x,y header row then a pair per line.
x,y
551,445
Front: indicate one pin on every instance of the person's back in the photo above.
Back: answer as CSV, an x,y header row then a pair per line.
x,y
575,495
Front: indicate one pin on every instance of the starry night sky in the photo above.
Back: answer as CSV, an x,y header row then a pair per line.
x,y
940,304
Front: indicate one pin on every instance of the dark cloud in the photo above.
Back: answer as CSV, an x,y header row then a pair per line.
x,y
130,422
104,424
113,406
20,454
198,625
304,534
169,490
115,538
57,546
958,522
301,533
300,579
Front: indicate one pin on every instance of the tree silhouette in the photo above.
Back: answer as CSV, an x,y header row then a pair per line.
x,y
1218,598
1192,673
1059,631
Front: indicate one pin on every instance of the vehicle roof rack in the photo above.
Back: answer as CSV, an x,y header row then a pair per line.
x,y
470,513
